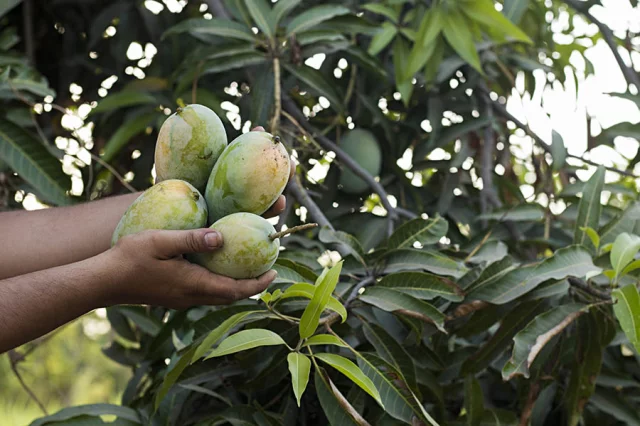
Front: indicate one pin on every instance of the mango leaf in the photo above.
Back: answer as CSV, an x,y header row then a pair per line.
x,y
593,236
473,401
38,88
34,163
123,413
630,268
314,36
382,38
400,61
261,13
7,5
558,151
589,207
485,13
246,339
627,310
206,391
490,252
422,285
624,250
316,81
531,340
393,301
450,134
422,260
280,10
124,99
348,241
315,16
335,406
503,288
352,371
307,291
125,133
422,231
430,27
456,30
324,339
145,322
299,367
613,403
216,334
515,9
391,351
323,290
173,375
625,222
216,26
287,275
522,213
381,9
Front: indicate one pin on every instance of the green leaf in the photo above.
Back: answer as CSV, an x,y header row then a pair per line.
x,y
485,13
307,291
26,155
124,413
139,315
125,133
625,222
246,339
490,252
348,241
593,236
281,10
217,333
260,11
450,134
531,340
627,310
400,60
299,367
314,36
558,151
381,9
324,289
473,401
522,213
38,88
391,351
422,260
514,9
614,404
393,301
630,268
206,391
589,207
324,339
505,287
316,81
352,371
173,375
7,5
123,99
422,285
624,250
430,27
314,16
456,30
382,38
422,231
338,410
216,26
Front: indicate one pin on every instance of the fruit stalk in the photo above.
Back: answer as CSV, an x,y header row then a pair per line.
x,y
292,230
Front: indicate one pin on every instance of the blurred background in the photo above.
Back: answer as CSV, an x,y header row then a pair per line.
x,y
86,84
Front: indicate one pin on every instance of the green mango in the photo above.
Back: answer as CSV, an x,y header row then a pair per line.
x,y
247,251
363,147
249,176
189,144
170,204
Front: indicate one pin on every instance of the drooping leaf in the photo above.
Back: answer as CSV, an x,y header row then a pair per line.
x,y
125,133
485,13
625,222
422,231
422,285
400,61
282,9
422,260
515,9
531,340
314,16
589,208
614,404
323,290
260,11
124,413
382,38
522,213
308,290
124,99
490,252
173,375
627,310
140,317
246,339
299,367
381,9
216,26
558,151
352,371
323,339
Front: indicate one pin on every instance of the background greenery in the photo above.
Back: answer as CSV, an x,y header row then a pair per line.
x,y
479,269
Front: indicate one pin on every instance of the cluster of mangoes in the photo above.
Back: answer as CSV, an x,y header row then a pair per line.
x,y
240,180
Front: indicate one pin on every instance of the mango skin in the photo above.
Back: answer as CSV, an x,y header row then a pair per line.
x,y
172,204
247,252
189,144
248,177
363,147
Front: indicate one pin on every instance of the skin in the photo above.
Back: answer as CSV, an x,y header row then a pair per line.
x,y
57,264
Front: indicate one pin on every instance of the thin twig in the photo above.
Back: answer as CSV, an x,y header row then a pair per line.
x,y
488,193
527,410
277,96
629,73
292,230
298,191
14,358
112,170
356,290
584,286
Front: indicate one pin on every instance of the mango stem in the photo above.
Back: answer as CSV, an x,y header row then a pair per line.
x,y
292,230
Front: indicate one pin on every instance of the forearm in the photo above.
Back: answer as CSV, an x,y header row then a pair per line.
x,y
41,239
34,304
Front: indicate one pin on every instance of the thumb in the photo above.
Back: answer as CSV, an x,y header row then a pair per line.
x,y
168,244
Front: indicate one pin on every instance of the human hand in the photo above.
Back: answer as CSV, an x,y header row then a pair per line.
x,y
149,268
281,203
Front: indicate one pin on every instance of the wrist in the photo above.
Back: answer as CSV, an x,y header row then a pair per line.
x,y
112,279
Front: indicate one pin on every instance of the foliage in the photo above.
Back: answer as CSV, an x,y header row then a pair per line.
x,y
442,295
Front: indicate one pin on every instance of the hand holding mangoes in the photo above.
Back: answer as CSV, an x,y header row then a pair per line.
x,y
245,179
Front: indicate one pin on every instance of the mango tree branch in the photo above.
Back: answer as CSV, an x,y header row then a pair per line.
x,y
292,230
290,106
295,187
582,285
275,121
629,73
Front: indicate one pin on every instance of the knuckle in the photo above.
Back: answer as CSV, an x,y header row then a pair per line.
x,y
192,241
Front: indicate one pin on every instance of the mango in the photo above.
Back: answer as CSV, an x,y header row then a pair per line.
x,y
248,177
171,204
247,251
189,144
363,147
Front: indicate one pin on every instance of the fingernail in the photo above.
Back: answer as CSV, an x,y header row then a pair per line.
x,y
213,239
271,275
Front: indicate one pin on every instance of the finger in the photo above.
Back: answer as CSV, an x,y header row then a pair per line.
x,y
258,129
277,207
217,287
168,244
